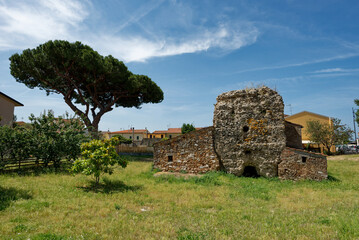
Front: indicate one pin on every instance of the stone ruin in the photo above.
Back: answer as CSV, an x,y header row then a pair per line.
x,y
249,137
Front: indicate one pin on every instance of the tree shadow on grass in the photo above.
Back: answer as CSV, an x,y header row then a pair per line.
x,y
8,195
110,186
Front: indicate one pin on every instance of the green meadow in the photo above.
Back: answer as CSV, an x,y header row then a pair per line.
x,y
134,204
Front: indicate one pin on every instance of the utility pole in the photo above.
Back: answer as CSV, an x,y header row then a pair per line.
x,y
355,131
133,136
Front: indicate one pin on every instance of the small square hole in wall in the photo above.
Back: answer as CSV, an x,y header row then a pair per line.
x,y
304,159
170,158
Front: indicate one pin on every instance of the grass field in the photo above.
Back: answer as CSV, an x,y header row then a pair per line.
x,y
133,204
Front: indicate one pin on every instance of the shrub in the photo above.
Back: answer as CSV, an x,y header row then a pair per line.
x,y
187,127
56,138
98,157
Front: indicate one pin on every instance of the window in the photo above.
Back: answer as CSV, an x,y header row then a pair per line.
x,y
138,137
170,136
161,136
170,158
130,137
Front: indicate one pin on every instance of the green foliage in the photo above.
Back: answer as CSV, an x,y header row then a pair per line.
x,y
187,127
83,77
98,157
329,134
47,138
122,139
56,138
5,145
15,143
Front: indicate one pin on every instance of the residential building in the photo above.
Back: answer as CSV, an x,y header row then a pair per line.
x,y
132,134
302,118
7,105
170,133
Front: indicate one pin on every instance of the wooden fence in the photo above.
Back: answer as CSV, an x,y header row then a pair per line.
x,y
138,149
9,164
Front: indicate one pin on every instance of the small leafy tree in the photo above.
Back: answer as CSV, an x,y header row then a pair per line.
x,y
187,127
5,134
329,134
19,144
98,157
56,138
5,144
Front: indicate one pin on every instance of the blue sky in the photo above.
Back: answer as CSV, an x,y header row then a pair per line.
x,y
195,50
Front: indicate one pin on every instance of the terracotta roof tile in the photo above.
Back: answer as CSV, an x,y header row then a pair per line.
x,y
130,131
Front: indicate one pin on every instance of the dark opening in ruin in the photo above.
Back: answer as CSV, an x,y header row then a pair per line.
x,y
304,159
250,171
170,158
247,152
245,129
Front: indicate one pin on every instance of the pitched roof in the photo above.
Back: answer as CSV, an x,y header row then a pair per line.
x,y
160,132
129,131
171,130
295,124
17,104
306,112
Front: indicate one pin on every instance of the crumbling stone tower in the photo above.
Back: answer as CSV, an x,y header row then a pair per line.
x,y
249,132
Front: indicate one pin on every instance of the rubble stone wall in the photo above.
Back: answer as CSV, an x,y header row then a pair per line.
x,y
293,133
299,164
249,130
192,153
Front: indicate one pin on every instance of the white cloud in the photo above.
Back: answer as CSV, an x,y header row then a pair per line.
x,y
26,24
337,70
225,36
315,61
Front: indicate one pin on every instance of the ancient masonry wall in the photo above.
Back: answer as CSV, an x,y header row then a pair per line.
x,y
249,130
293,133
191,153
299,164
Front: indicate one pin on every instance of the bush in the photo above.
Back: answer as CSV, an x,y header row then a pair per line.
x,y
56,138
98,157
122,139
186,128
47,138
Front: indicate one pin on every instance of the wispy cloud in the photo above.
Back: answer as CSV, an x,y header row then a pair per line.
x,y
24,24
140,13
321,60
225,36
337,70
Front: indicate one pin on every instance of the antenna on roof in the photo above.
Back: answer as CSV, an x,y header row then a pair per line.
x,y
290,108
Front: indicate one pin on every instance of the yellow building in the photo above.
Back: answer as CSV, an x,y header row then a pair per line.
x,y
170,133
302,118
